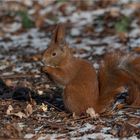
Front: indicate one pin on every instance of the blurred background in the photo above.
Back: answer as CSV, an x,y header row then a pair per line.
x,y
89,23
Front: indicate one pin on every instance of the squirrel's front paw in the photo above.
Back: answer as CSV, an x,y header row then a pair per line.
x,y
43,69
47,69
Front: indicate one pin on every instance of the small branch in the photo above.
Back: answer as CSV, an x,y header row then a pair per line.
x,y
55,125
53,106
131,106
16,76
132,115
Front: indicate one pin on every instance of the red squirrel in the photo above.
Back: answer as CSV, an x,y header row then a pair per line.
x,y
84,88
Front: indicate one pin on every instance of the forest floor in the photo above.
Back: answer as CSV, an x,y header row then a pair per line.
x,y
31,105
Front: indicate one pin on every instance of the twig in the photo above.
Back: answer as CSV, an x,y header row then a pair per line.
x,y
53,106
83,118
131,115
16,76
130,106
55,125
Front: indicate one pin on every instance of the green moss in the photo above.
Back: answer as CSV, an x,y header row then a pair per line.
x,y
61,0
26,21
123,24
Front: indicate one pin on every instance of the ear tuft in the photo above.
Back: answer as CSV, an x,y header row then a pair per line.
x,y
59,33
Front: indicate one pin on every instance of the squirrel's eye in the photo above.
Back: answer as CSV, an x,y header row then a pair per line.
x,y
54,54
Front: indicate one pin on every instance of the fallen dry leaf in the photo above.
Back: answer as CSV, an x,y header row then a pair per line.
x,y
19,114
44,107
12,130
123,36
134,5
40,92
92,113
29,110
137,49
128,129
8,82
9,110
36,57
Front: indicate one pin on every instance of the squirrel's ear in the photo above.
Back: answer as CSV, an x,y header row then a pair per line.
x,y
59,34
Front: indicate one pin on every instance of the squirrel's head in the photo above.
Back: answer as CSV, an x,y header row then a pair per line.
x,y
58,49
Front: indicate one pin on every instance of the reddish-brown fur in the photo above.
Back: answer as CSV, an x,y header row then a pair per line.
x,y
82,88
116,72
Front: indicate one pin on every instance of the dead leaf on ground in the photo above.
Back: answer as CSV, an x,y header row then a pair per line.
x,y
9,110
128,129
12,130
19,114
92,113
44,107
29,110
137,49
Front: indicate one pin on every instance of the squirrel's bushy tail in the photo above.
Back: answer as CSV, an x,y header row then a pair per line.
x,y
117,72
